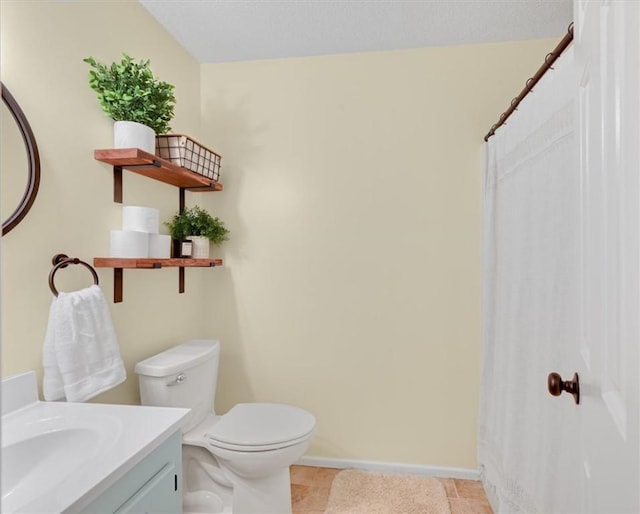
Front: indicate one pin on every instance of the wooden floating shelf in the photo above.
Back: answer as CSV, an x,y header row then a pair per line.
x,y
119,265
152,166
112,262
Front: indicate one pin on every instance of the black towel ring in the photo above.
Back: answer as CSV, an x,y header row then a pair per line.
x,y
62,261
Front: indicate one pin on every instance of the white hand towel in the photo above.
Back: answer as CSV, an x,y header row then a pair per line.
x,y
81,357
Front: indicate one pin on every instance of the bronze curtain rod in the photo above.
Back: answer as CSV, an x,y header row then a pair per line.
x,y
531,82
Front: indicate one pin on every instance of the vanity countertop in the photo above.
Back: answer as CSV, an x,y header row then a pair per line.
x,y
59,457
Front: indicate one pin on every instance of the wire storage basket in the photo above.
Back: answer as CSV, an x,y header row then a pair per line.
x,y
185,152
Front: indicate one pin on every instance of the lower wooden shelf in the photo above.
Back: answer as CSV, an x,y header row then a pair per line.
x,y
119,264
114,262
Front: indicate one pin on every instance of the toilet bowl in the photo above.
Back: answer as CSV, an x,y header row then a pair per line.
x,y
235,463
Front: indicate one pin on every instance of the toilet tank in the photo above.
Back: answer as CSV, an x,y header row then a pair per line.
x,y
182,376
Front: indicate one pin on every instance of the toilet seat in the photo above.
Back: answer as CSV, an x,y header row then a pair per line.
x,y
256,448
254,427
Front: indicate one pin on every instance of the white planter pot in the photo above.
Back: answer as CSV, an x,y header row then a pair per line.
x,y
129,134
201,247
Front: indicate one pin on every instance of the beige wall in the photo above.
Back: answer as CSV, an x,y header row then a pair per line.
x,y
43,44
351,285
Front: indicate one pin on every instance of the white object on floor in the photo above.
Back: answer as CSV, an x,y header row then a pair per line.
x,y
81,357
365,492
238,462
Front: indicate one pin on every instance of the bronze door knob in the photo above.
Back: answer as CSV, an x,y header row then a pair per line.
x,y
556,386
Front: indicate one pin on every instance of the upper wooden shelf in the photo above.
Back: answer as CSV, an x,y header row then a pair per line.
x,y
152,166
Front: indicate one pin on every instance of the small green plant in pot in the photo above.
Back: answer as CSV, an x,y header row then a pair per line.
x,y
140,104
197,225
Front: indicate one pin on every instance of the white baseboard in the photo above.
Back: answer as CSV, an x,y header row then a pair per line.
x,y
391,467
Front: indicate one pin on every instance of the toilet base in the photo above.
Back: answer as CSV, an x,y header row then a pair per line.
x,y
205,488
269,495
203,502
211,487
260,479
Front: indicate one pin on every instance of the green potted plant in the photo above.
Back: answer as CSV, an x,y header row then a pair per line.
x,y
198,226
141,105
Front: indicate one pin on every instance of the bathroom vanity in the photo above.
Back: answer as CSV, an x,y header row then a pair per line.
x,y
153,485
87,457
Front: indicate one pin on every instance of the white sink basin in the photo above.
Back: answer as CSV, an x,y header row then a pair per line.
x,y
37,457
43,455
59,457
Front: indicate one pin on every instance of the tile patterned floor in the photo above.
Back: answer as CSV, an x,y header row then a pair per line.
x,y
310,488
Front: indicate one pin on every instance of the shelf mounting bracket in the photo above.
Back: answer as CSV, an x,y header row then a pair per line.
x,y
117,184
117,285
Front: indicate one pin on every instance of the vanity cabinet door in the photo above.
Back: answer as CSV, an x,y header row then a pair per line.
x,y
157,496
153,486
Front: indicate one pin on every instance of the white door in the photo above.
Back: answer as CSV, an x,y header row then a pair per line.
x,y
607,50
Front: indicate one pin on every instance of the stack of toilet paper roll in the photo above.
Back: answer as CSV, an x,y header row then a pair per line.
x,y
139,236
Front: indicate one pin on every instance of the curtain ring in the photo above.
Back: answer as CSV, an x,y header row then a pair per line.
x,y
528,82
546,59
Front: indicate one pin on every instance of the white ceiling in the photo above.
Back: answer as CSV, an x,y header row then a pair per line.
x,y
237,30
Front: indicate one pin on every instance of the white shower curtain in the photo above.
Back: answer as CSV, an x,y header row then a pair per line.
x,y
531,308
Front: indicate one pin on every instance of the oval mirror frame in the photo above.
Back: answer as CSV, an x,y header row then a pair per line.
x,y
33,158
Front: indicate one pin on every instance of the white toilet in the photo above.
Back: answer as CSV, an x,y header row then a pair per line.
x,y
235,463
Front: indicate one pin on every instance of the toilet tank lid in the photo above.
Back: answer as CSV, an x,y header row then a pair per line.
x,y
178,358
